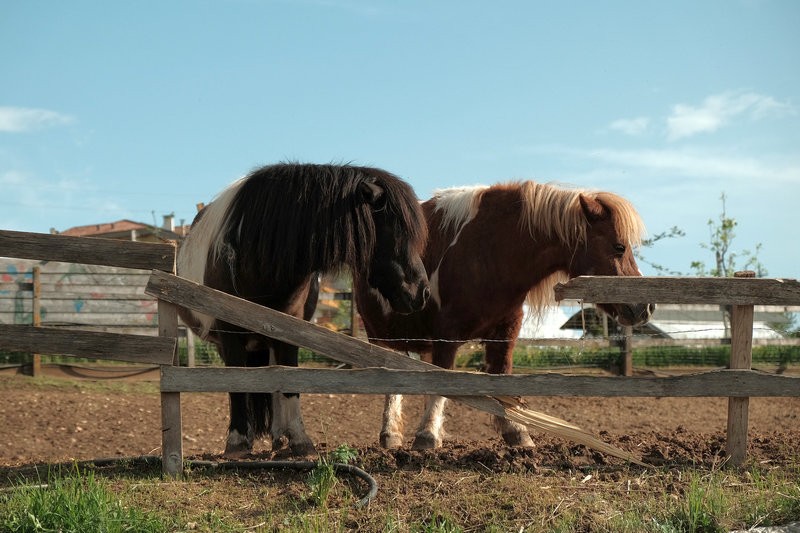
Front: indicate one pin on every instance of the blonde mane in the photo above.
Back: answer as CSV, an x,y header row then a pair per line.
x,y
458,205
556,212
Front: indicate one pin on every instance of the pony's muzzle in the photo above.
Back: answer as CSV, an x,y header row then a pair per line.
x,y
414,300
636,315
630,314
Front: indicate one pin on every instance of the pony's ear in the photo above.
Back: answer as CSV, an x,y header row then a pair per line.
x,y
592,208
372,191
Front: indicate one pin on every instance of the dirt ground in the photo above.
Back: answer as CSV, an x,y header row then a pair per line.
x,y
77,414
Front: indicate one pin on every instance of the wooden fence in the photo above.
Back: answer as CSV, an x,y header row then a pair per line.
x,y
389,371
112,299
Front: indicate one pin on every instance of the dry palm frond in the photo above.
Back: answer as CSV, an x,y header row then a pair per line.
x,y
516,412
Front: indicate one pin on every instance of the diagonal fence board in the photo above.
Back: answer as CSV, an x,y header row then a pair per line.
x,y
717,383
89,344
275,324
88,250
681,290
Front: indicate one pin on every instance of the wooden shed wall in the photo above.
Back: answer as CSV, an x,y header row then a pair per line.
x,y
75,295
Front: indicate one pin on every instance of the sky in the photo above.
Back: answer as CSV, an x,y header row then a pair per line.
x,y
134,110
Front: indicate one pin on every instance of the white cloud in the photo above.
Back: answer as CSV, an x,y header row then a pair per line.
x,y
695,164
701,164
718,109
631,126
20,119
13,178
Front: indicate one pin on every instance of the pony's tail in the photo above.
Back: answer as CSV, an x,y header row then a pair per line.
x,y
259,413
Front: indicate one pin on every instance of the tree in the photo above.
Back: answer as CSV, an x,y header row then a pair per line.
x,y
721,235
720,244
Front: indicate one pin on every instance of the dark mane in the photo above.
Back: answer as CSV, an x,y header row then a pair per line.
x,y
315,211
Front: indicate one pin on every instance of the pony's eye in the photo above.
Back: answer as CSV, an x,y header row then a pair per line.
x,y
619,249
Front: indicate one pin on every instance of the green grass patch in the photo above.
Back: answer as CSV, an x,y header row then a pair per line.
x,y
76,502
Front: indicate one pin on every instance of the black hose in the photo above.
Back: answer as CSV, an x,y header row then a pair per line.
x,y
339,468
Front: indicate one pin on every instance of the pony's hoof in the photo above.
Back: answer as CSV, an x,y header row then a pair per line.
x,y
426,441
391,441
236,452
237,446
518,438
303,449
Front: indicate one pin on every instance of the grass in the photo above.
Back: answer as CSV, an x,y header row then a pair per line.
x,y
48,383
436,498
76,502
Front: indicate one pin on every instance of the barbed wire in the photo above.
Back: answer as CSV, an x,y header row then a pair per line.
x,y
532,340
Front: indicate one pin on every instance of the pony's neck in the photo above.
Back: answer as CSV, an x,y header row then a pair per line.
x,y
539,254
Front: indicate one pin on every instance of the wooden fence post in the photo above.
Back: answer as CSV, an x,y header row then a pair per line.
x,y
171,418
741,358
36,360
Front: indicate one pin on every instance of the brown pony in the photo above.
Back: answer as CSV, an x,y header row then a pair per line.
x,y
267,237
490,250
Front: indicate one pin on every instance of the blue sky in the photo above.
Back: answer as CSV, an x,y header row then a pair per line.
x,y
112,110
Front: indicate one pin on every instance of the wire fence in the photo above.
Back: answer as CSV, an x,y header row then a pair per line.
x,y
535,354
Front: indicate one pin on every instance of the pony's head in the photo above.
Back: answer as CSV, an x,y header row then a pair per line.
x,y
395,268
612,230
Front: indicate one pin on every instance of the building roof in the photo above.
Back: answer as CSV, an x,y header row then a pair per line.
x,y
123,229
93,230
696,321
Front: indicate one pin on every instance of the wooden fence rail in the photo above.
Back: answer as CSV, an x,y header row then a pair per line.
x,y
87,250
672,290
715,383
89,344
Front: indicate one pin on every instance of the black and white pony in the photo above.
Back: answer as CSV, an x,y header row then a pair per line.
x,y
267,237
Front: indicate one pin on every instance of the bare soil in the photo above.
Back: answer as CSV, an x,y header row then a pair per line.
x,y
85,414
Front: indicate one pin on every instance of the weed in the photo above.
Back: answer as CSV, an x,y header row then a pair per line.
x,y
322,478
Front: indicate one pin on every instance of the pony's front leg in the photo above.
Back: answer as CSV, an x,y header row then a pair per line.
x,y
287,422
287,419
431,428
240,431
392,428
429,432
241,427
499,358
